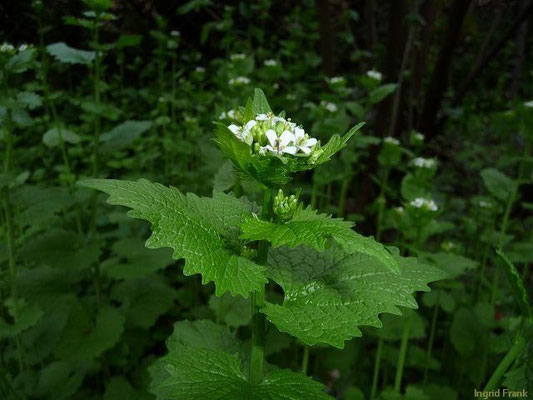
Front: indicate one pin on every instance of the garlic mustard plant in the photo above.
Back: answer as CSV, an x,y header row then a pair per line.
x,y
333,279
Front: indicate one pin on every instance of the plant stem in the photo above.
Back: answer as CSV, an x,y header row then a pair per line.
x,y
305,360
258,301
504,364
401,357
436,308
377,364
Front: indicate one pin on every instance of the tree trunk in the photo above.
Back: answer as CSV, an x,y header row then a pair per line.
x,y
439,79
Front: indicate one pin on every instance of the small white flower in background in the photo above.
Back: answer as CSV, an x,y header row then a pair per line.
x,y
237,56
271,62
336,79
399,209
421,162
421,202
270,134
529,104
200,69
6,48
485,204
175,33
275,85
419,136
378,76
331,107
241,80
161,99
24,47
391,140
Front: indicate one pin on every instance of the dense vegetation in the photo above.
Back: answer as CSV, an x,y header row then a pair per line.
x,y
320,166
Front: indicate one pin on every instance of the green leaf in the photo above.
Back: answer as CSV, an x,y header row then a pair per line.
x,y
203,231
234,311
144,300
329,294
381,92
27,316
119,388
260,104
30,100
21,61
123,135
453,264
133,260
84,339
60,379
207,369
466,333
517,285
498,184
51,138
65,54
313,229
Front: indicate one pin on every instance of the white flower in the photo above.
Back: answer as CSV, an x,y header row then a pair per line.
x,y
419,136
275,85
421,202
529,104
200,69
331,107
336,79
399,209
378,76
485,204
241,80
391,140
175,33
24,47
270,134
270,62
230,114
237,56
421,162
6,48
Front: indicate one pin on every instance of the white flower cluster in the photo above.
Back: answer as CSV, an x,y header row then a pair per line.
x,y
270,62
529,104
228,115
9,48
421,162
269,134
419,136
378,76
328,105
175,33
399,209
237,56
336,79
421,202
240,80
201,70
391,140
485,204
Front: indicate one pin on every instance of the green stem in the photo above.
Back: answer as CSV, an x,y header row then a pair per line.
x,y
314,194
258,301
432,336
505,363
377,364
401,357
305,360
503,230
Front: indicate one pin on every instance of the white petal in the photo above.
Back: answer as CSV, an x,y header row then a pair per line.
x,y
305,150
299,133
234,128
272,149
310,142
290,150
272,137
286,138
261,117
250,124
